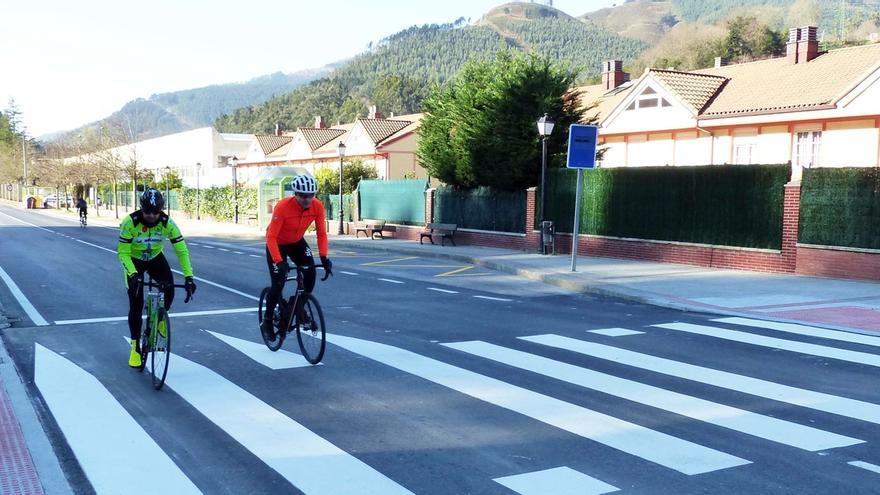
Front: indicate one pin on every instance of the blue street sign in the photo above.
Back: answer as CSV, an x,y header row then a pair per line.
x,y
582,146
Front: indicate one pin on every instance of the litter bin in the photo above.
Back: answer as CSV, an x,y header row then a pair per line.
x,y
548,237
31,202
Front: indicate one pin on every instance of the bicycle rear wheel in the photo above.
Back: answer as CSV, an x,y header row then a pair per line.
x,y
161,348
273,345
312,335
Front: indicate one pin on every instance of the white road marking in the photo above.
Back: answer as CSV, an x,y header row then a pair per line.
x,y
665,450
278,360
615,332
558,481
26,223
819,401
223,249
805,330
215,284
207,246
309,462
102,435
391,281
865,465
172,315
254,256
774,343
775,430
26,305
494,298
445,291
97,246
349,273
238,252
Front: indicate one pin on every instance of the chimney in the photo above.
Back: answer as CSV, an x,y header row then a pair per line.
x,y
319,122
277,129
802,46
373,113
720,62
613,75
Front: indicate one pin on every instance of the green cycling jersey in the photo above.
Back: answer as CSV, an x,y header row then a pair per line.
x,y
139,241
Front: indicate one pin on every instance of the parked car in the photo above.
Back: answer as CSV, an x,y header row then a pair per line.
x,y
51,201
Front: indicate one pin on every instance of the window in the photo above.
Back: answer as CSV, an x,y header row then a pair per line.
x,y
745,154
806,148
648,99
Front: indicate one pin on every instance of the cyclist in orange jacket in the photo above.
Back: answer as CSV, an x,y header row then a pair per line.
x,y
285,239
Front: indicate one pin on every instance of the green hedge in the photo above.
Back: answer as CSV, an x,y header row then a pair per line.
x,y
840,207
730,205
482,208
218,202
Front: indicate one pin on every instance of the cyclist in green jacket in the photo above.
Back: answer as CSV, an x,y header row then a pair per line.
x,y
141,237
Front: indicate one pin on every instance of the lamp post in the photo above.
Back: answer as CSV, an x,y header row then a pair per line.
x,y
167,188
234,163
545,128
341,149
198,191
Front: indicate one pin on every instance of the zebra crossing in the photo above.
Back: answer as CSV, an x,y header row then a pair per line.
x,y
104,435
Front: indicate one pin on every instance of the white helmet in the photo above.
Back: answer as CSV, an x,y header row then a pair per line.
x,y
305,184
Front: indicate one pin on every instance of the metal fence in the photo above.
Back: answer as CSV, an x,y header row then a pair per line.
x,y
395,201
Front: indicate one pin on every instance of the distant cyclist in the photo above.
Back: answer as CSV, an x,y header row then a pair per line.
x,y
83,209
141,237
284,239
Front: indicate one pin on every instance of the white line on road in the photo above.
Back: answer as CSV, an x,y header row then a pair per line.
x,y
238,252
615,332
215,284
445,291
26,223
26,305
349,273
391,281
207,246
865,465
819,401
805,330
279,360
102,435
774,343
97,246
558,481
665,450
254,256
766,427
309,462
494,298
223,249
172,315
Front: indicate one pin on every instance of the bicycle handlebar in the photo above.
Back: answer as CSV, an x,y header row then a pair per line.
x,y
327,273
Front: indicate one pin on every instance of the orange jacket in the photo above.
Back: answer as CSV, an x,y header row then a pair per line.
x,y
289,224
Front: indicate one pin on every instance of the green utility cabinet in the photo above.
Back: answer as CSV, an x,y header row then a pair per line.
x,y
275,184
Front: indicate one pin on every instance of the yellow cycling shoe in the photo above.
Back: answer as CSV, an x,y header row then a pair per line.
x,y
134,359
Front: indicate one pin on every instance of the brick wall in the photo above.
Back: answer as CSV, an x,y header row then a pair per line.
x,y
838,263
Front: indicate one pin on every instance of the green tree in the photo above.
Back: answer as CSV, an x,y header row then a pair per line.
x,y
354,171
480,129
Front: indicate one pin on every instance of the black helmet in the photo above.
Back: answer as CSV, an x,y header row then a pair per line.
x,y
152,201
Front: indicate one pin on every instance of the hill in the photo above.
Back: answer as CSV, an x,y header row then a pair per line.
x,y
397,73
646,20
167,113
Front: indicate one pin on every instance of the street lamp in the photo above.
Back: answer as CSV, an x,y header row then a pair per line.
x,y
198,191
545,128
167,174
341,149
234,163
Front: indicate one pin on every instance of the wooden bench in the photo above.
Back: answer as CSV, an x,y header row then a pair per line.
x,y
250,216
442,230
373,227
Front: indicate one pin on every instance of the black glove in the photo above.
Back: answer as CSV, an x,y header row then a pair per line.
x,y
328,265
280,268
189,286
134,281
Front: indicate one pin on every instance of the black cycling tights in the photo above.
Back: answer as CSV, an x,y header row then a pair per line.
x,y
161,273
299,253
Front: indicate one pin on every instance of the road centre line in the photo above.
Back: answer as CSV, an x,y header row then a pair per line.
x,y
223,249
630,438
374,263
238,252
714,413
349,273
254,256
774,343
445,291
26,305
172,315
391,281
494,298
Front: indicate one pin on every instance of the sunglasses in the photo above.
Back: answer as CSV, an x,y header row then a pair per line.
x,y
305,196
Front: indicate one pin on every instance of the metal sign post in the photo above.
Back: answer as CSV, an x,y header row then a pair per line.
x,y
581,155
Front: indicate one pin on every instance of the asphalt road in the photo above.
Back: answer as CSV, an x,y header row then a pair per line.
x,y
440,378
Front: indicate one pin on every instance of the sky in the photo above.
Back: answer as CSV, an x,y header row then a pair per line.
x,y
67,63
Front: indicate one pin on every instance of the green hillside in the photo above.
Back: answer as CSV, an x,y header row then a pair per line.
x,y
397,73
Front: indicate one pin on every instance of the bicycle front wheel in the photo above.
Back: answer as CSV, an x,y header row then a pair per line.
x,y
311,334
161,348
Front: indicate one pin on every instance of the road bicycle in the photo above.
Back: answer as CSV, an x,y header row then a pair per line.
x,y
82,221
308,322
156,335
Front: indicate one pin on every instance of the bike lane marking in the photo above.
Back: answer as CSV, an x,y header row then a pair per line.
x,y
104,437
308,461
23,301
633,439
